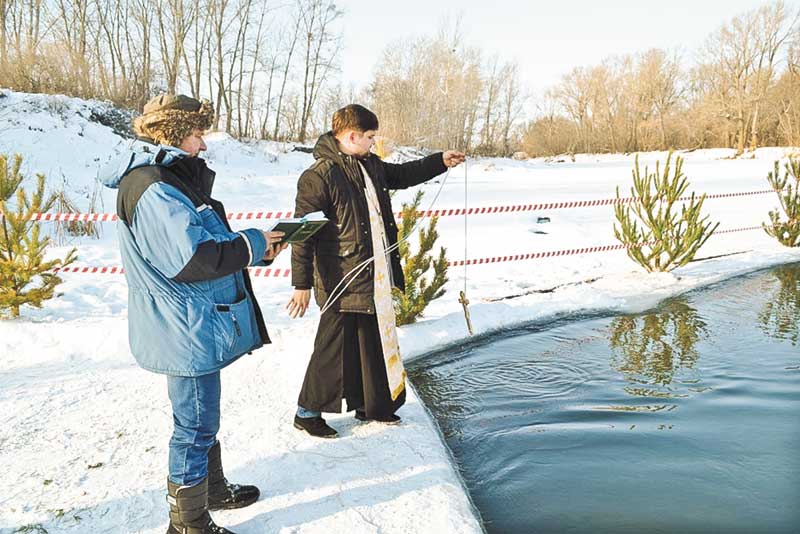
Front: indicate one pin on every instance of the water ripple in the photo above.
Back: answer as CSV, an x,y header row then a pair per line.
x,y
531,380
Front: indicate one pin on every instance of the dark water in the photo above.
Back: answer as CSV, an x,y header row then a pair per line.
x,y
682,419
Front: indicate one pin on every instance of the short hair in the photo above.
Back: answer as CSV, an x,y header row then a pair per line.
x,y
354,117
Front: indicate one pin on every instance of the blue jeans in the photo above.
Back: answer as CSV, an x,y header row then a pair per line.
x,y
195,412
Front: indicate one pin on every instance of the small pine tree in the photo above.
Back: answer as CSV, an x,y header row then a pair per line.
x,y
411,304
786,232
658,238
25,276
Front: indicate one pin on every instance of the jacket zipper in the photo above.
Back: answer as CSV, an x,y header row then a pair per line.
x,y
227,309
236,324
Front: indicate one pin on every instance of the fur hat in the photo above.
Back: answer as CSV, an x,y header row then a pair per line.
x,y
169,119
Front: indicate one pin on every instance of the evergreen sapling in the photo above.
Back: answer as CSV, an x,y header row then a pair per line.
x,y
411,304
26,277
787,232
657,236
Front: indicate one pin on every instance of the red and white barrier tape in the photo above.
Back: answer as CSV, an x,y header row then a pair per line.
x,y
257,215
268,272
572,252
265,272
747,229
563,205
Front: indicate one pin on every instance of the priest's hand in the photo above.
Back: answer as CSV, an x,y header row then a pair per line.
x,y
298,304
451,158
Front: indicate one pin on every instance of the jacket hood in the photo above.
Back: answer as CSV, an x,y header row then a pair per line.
x,y
138,156
327,147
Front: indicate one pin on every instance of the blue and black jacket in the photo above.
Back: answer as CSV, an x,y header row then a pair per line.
x,y
191,308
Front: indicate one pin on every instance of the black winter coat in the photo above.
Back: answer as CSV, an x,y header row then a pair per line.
x,y
334,185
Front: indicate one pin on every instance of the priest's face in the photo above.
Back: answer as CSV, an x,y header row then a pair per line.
x,y
366,141
357,144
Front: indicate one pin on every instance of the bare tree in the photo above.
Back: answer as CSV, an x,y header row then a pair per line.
x,y
74,31
574,93
256,52
493,81
550,133
293,36
175,19
787,94
269,66
741,56
513,100
217,49
658,86
431,93
773,30
238,57
321,45
5,8
194,55
142,14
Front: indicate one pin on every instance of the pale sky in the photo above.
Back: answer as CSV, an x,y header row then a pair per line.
x,y
548,38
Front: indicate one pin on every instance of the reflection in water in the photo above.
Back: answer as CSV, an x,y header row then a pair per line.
x,y
650,349
780,316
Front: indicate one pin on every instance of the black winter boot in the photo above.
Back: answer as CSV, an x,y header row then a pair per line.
x,y
188,510
221,494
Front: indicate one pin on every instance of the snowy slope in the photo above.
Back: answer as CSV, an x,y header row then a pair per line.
x,y
83,431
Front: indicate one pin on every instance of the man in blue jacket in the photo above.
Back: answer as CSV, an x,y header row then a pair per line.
x,y
191,307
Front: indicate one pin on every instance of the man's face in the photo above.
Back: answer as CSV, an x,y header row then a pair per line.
x,y
193,144
366,141
360,142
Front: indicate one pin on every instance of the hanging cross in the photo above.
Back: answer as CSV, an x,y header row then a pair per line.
x,y
464,302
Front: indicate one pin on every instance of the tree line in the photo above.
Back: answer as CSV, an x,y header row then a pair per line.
x,y
741,90
272,71
264,65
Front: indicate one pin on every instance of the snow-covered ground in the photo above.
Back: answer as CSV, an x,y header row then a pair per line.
x,y
83,431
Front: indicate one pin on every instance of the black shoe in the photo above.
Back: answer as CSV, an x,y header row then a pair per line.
x,y
390,419
223,495
316,426
188,510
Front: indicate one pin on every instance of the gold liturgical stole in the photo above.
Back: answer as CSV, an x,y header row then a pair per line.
x,y
384,310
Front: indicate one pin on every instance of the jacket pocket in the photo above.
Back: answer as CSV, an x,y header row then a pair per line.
x,y
236,331
211,221
342,266
343,249
334,260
